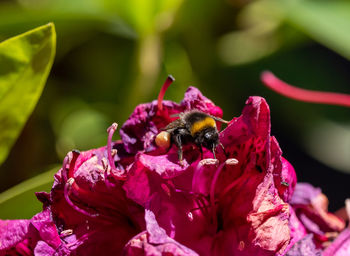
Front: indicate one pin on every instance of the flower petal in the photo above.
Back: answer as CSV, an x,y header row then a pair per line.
x,y
92,207
23,236
12,232
340,246
304,247
155,242
311,207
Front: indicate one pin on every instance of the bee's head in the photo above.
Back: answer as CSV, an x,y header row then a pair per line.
x,y
208,138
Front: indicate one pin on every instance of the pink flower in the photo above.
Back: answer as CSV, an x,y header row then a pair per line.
x,y
133,198
224,206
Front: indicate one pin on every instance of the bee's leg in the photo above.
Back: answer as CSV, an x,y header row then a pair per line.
x,y
178,143
201,150
213,150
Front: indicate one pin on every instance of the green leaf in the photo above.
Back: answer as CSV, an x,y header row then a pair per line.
x,y
327,22
25,63
19,202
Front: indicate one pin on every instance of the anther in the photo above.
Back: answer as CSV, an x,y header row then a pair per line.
x,y
231,161
110,151
209,161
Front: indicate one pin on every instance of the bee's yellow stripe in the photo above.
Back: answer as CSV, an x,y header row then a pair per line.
x,y
199,125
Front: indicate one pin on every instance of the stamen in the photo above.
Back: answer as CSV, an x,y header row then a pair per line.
x,y
230,161
212,194
203,204
106,173
202,207
67,189
114,172
81,239
165,86
66,232
277,85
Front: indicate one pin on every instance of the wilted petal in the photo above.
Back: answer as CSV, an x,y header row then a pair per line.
x,y
155,242
311,207
24,236
304,194
297,230
269,219
12,232
43,249
340,246
304,247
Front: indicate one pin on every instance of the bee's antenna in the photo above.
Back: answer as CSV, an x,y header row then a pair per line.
x,y
165,86
219,119
223,149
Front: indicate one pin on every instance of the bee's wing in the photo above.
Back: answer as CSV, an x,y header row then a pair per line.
x,y
173,125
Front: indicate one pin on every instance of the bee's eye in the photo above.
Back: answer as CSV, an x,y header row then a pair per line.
x,y
207,135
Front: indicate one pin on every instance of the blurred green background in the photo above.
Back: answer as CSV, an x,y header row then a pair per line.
x,y
112,55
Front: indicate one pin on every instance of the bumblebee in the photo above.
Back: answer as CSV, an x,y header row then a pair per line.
x,y
194,127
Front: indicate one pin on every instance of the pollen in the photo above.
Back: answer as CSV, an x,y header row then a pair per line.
x,y
163,140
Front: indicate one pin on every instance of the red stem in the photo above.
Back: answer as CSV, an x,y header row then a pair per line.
x,y
212,193
165,86
277,85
